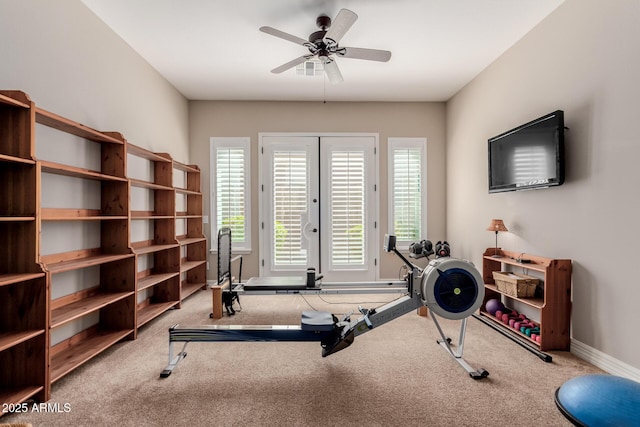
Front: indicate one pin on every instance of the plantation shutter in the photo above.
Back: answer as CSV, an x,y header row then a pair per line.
x,y
290,195
230,191
347,210
407,194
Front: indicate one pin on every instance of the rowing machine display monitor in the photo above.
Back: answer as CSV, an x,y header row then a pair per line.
x,y
390,246
450,288
389,243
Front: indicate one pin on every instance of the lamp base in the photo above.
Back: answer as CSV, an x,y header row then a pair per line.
x,y
497,251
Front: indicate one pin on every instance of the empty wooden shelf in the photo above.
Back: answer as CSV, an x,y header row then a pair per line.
x,y
23,283
193,244
97,283
67,356
153,233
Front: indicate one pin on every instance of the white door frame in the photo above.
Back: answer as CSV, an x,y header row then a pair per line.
x,y
263,240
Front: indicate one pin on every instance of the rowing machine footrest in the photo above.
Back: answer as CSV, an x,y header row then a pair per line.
x,y
317,321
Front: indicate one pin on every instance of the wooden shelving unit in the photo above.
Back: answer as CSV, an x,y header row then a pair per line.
x,y
73,281
103,289
158,253
193,244
554,307
23,285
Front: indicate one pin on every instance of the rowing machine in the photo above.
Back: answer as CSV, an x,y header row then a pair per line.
x,y
451,288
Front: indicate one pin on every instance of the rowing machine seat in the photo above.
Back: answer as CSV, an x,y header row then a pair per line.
x,y
317,321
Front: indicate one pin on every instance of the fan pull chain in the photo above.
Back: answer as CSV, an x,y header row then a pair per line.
x,y
324,86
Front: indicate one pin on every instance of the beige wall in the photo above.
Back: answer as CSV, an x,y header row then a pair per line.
x,y
208,118
72,64
584,59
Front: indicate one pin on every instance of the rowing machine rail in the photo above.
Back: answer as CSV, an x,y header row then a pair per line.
x,y
450,288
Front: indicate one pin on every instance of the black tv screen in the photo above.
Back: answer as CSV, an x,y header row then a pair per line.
x,y
529,156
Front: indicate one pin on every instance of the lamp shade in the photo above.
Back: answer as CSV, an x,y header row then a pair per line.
x,y
497,225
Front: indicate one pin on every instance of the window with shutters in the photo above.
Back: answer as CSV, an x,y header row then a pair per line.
x,y
230,188
290,204
347,207
408,190
350,206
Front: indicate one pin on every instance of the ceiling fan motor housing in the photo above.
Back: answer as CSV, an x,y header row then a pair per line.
x,y
317,36
323,22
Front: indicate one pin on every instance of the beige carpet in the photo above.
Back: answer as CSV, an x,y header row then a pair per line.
x,y
395,375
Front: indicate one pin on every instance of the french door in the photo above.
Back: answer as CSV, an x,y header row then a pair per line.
x,y
318,206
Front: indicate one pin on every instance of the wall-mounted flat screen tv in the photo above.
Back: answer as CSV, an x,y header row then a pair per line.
x,y
528,157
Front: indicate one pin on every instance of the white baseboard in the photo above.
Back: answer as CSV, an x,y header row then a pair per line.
x,y
604,361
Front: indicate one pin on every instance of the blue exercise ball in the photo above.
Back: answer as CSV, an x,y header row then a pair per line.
x,y
600,400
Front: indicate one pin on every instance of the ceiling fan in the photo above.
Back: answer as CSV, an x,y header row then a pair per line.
x,y
324,45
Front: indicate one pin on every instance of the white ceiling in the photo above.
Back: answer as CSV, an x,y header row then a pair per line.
x,y
213,50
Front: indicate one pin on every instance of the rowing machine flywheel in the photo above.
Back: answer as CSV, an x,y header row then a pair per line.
x,y
452,288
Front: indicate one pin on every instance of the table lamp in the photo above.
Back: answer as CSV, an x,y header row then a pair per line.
x,y
496,225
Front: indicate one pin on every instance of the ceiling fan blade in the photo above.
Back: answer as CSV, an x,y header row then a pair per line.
x,y
285,36
368,54
340,25
333,72
290,64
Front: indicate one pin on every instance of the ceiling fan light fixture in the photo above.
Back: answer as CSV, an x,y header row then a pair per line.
x,y
311,68
324,57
